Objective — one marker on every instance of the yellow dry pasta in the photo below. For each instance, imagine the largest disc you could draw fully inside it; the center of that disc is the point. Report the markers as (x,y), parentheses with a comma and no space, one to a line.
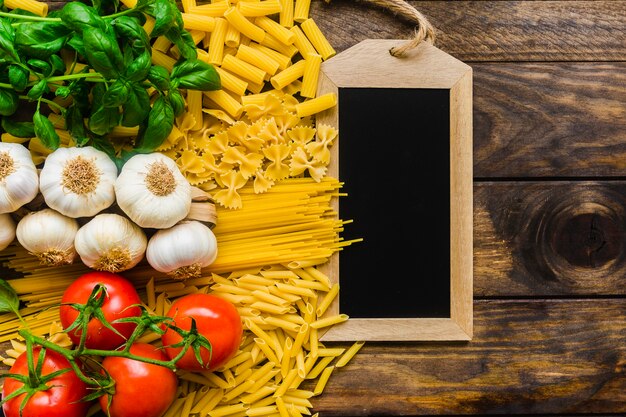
(275,29)
(283,60)
(243,69)
(316,105)
(259,8)
(243,25)
(302,43)
(258,59)
(317,38)
(215,9)
(36,7)
(286,14)
(225,101)
(288,75)
(301,10)
(232,38)
(217,41)
(198,22)
(313,63)
(231,82)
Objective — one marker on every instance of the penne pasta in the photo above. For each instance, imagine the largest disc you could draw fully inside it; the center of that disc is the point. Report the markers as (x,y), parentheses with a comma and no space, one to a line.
(313,63)
(270,26)
(321,382)
(317,38)
(301,10)
(217,40)
(243,25)
(259,8)
(316,105)
(329,321)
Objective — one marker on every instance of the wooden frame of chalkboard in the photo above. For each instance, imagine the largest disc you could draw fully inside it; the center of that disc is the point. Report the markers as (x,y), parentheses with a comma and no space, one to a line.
(436,88)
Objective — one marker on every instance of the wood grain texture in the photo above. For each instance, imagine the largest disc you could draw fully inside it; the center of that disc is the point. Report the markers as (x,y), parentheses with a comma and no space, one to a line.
(545,239)
(527,357)
(490,30)
(549,119)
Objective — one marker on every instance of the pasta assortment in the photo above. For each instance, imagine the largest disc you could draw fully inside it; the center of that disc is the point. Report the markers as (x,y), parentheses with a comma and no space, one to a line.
(255,147)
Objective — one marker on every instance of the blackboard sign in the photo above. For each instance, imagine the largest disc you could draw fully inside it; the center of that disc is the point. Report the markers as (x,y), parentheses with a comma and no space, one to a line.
(396,170)
(404,154)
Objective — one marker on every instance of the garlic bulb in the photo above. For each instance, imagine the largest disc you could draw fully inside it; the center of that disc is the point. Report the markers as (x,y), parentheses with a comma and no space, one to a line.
(152,191)
(19,180)
(182,250)
(78,182)
(110,242)
(7,231)
(49,236)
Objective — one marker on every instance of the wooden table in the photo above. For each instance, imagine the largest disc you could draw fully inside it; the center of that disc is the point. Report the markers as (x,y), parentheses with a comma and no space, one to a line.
(549,216)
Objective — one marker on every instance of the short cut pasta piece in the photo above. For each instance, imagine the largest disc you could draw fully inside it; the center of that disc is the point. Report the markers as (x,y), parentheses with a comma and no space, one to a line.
(198,22)
(36,7)
(301,12)
(302,43)
(274,28)
(316,105)
(349,354)
(243,69)
(258,59)
(317,38)
(217,41)
(286,14)
(288,75)
(259,8)
(215,9)
(243,25)
(311,75)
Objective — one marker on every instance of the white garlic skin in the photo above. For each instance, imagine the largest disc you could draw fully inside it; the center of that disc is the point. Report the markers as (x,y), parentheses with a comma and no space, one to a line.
(187,245)
(19,180)
(74,203)
(110,242)
(49,235)
(7,231)
(142,203)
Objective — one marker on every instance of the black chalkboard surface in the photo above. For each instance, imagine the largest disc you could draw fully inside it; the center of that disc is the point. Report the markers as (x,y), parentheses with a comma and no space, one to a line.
(394,158)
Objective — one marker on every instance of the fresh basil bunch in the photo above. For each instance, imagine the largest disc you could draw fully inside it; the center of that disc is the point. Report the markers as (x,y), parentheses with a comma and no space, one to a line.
(112,88)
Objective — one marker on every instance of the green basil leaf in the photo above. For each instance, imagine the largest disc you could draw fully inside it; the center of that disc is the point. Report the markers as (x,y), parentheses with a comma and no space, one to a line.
(41,39)
(183,41)
(163,11)
(160,77)
(18,77)
(103,52)
(79,16)
(160,124)
(57,64)
(38,90)
(8,102)
(80,90)
(178,102)
(44,130)
(130,29)
(76,43)
(18,129)
(7,39)
(9,301)
(137,107)
(38,64)
(75,124)
(117,94)
(195,75)
(103,120)
(139,69)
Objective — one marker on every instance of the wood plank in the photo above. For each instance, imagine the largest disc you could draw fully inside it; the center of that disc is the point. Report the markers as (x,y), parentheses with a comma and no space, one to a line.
(549,119)
(491,30)
(527,357)
(545,239)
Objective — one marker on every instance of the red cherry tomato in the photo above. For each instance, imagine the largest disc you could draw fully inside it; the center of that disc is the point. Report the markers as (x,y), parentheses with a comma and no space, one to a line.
(216,319)
(62,399)
(141,389)
(121,301)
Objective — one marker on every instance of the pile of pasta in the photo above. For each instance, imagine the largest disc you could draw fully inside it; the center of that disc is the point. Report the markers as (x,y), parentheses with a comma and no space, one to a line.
(255,147)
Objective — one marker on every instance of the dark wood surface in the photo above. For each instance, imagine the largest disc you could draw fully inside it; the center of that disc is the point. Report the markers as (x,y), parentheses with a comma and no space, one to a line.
(549,216)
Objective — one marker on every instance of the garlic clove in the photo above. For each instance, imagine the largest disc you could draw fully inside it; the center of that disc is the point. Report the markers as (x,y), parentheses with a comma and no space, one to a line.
(19,180)
(152,191)
(110,242)
(49,235)
(7,231)
(182,250)
(78,182)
